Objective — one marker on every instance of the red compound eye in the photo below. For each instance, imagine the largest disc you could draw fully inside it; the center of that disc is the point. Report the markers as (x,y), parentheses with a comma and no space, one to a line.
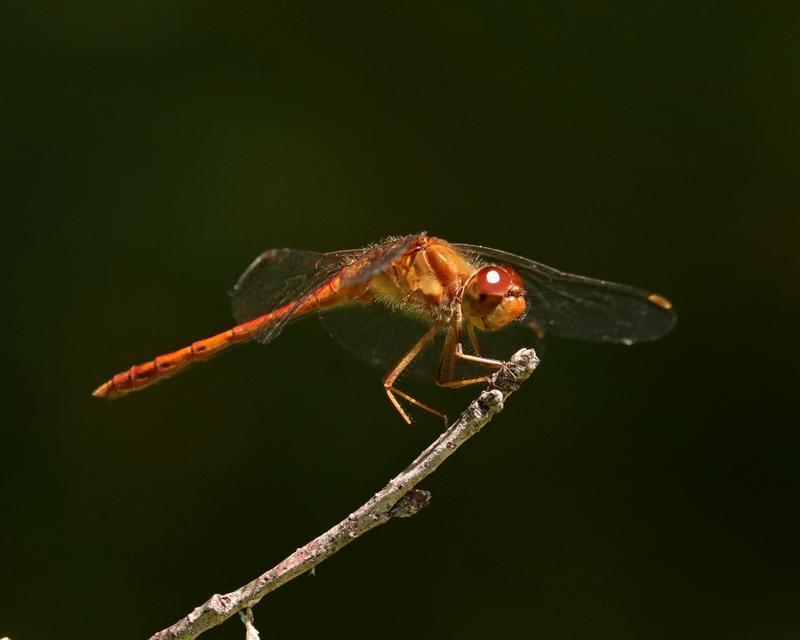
(493,281)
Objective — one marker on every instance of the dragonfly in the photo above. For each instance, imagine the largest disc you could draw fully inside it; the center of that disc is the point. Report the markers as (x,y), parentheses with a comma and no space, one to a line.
(418,299)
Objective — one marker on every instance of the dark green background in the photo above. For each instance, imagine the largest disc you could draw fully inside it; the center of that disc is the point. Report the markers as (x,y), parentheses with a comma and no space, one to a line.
(150,150)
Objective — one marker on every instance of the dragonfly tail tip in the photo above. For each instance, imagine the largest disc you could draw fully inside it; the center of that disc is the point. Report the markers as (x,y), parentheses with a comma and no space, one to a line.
(103,391)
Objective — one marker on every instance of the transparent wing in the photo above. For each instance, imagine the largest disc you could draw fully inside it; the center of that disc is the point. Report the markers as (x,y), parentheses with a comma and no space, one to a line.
(574,306)
(280,279)
(273,278)
(285,279)
(381,336)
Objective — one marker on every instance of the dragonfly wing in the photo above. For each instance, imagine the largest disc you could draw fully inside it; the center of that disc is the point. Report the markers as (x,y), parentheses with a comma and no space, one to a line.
(381,336)
(288,278)
(271,280)
(575,306)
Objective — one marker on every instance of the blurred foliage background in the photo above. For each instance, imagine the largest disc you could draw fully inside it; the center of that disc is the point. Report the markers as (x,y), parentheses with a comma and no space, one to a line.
(150,150)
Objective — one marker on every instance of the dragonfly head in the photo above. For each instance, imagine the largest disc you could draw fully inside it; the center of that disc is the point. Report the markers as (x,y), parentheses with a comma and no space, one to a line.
(493,297)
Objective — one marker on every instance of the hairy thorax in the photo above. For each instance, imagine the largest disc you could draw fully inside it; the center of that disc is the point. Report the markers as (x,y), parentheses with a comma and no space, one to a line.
(425,281)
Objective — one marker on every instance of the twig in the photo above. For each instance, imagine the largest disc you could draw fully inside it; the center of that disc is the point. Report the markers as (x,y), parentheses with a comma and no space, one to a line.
(396,499)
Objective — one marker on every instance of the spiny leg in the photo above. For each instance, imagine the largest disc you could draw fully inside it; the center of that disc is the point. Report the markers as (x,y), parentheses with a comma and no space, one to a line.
(395,391)
(488,362)
(458,352)
(473,339)
(392,392)
(457,384)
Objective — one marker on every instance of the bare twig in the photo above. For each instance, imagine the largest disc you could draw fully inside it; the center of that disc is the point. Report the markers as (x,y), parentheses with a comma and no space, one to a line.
(396,499)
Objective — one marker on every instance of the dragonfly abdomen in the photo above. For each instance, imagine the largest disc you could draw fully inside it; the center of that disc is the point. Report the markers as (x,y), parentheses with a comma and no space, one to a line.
(164,366)
(143,375)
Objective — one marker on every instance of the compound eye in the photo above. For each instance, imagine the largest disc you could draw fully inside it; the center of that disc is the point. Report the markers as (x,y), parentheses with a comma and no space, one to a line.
(493,281)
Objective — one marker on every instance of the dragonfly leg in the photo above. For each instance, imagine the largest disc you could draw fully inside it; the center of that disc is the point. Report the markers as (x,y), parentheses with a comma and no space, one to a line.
(473,339)
(457,384)
(393,392)
(459,354)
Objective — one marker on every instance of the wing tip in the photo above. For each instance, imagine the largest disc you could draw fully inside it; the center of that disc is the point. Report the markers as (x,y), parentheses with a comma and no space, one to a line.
(660,301)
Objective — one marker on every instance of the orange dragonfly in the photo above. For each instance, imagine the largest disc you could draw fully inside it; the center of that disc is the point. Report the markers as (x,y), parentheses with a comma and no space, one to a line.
(444,292)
